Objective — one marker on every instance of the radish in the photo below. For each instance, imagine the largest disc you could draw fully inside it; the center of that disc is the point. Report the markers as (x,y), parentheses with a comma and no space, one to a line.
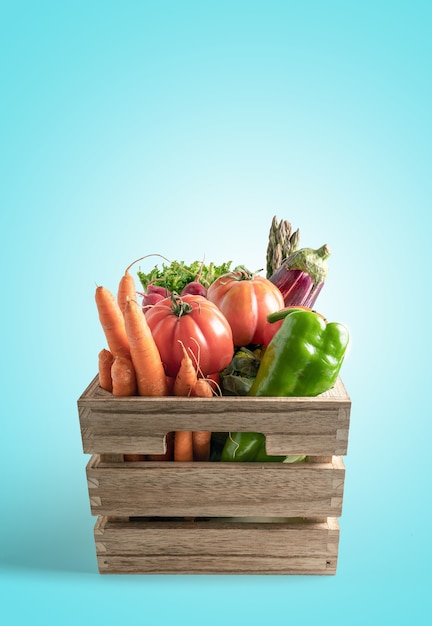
(153,294)
(163,291)
(195,288)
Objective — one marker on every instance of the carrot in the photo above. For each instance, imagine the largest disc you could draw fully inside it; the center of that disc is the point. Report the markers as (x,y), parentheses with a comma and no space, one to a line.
(123,377)
(126,289)
(111,319)
(186,376)
(201,439)
(149,369)
(183,386)
(201,442)
(202,389)
(105,361)
(183,446)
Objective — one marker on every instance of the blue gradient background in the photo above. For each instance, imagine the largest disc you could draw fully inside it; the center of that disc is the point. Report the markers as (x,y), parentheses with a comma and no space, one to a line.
(181,128)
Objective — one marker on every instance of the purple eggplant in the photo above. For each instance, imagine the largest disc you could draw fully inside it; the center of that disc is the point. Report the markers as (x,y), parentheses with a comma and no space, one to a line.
(301,276)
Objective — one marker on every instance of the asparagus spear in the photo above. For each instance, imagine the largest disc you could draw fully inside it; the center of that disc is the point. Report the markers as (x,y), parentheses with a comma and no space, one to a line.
(282,243)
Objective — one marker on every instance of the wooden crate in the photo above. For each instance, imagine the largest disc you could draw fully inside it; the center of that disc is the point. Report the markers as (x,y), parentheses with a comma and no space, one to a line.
(212,517)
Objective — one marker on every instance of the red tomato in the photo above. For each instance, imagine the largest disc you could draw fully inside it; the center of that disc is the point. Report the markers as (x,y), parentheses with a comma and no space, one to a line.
(196,322)
(245,300)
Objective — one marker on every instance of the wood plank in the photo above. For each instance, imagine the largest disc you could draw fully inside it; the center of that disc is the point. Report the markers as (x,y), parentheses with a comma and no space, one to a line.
(217,546)
(139,425)
(259,565)
(216,489)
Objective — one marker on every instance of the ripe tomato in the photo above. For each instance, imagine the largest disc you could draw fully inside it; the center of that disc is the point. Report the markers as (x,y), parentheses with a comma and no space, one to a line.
(199,324)
(245,299)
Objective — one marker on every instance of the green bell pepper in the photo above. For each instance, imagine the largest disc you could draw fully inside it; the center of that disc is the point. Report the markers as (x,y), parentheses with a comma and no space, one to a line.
(251,447)
(303,358)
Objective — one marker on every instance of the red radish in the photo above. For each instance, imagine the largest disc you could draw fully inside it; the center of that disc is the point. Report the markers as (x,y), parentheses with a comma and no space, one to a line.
(195,288)
(149,299)
(163,291)
(153,294)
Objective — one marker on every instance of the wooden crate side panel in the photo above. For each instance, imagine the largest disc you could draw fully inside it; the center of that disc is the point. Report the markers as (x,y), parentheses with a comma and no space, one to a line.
(217,547)
(139,425)
(261,565)
(216,489)
(278,539)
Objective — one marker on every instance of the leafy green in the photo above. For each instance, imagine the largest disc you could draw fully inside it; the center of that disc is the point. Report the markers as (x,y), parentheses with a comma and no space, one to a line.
(236,379)
(176,275)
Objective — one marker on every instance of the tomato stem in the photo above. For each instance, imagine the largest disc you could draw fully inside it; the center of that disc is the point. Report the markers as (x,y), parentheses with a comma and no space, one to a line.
(242,273)
(179,307)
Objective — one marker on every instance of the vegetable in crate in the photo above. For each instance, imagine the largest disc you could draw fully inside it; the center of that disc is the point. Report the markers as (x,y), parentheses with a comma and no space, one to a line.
(282,242)
(177,276)
(303,358)
(301,276)
(199,325)
(249,447)
(236,379)
(245,299)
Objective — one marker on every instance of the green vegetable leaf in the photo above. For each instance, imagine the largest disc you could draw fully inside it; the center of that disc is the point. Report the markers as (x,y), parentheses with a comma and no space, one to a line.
(176,275)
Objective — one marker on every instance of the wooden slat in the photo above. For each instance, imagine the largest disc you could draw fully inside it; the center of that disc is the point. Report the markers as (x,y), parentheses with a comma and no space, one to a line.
(227,489)
(322,565)
(317,425)
(215,546)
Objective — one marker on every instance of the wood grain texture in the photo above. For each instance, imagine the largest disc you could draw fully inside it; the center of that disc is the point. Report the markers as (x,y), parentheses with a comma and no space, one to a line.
(216,489)
(216,546)
(215,497)
(317,426)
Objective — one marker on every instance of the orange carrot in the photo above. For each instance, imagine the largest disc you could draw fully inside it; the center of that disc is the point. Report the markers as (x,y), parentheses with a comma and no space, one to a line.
(201,443)
(123,377)
(201,439)
(111,319)
(183,447)
(105,361)
(183,386)
(126,289)
(202,389)
(149,369)
(186,376)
